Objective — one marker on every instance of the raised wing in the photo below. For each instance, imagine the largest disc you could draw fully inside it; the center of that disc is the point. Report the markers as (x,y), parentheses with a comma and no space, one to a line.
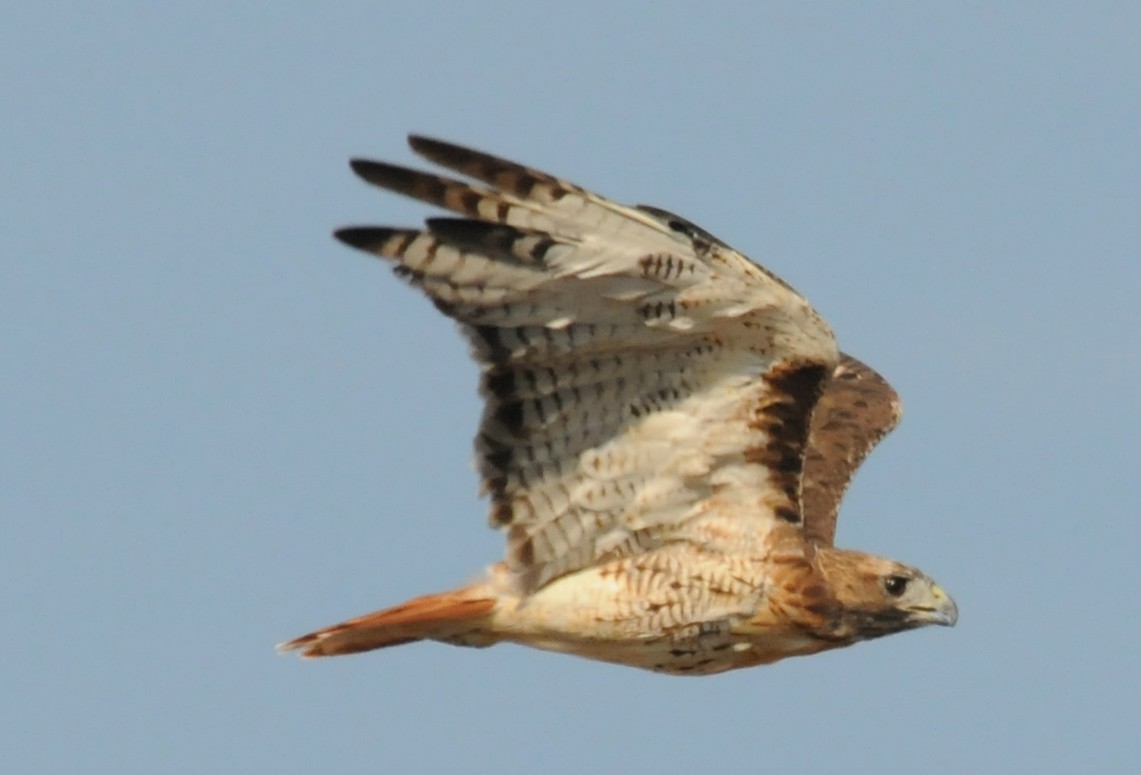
(639,375)
(856,410)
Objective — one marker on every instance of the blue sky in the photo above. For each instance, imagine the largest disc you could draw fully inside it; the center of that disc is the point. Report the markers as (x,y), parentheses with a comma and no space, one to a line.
(222,429)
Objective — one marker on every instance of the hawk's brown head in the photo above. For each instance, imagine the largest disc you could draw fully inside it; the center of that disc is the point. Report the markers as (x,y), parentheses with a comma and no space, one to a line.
(879,597)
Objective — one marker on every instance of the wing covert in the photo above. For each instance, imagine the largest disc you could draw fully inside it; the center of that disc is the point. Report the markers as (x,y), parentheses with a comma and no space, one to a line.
(856,410)
(639,375)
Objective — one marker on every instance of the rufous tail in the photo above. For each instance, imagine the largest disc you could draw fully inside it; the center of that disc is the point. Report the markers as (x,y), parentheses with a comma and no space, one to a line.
(458,616)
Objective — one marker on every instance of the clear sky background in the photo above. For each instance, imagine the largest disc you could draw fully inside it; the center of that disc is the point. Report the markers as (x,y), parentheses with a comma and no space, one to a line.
(221,429)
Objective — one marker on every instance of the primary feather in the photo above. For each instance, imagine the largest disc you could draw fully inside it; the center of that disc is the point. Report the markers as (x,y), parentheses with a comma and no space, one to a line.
(648,440)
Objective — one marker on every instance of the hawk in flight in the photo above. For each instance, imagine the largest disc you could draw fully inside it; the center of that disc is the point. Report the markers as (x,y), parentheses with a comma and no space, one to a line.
(668,431)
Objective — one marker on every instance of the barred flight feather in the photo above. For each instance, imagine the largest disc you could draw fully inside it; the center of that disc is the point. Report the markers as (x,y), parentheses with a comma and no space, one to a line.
(623,351)
(667,433)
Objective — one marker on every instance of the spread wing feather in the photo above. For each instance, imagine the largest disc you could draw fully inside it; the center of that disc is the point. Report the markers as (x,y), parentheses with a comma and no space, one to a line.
(856,410)
(641,378)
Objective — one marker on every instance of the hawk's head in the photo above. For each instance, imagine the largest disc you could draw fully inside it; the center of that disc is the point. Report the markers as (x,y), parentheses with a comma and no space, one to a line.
(879,597)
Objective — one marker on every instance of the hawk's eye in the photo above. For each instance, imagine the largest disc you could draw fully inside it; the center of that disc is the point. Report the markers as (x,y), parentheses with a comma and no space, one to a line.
(895,585)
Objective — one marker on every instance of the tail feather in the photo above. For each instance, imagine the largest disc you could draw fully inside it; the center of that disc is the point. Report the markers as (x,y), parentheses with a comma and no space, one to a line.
(458,616)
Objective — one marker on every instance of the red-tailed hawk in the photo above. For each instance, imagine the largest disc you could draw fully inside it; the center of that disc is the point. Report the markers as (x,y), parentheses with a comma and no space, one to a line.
(668,431)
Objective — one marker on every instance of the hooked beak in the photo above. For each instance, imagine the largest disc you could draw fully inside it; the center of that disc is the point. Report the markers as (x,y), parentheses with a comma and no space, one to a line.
(940,610)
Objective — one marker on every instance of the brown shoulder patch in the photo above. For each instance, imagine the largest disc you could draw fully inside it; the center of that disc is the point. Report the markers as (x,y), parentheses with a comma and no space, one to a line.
(783,416)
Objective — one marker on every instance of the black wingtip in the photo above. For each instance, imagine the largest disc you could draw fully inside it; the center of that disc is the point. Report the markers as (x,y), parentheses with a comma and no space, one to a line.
(445,154)
(360,166)
(466,230)
(367,238)
(430,146)
(383,174)
(470,234)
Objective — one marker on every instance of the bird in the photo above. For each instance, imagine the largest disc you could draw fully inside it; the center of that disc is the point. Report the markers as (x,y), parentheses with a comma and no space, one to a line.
(668,430)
